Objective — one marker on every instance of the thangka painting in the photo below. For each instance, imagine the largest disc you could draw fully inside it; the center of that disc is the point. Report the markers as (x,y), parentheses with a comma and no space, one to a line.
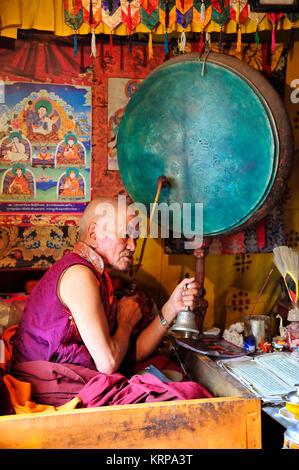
(45,151)
(120,90)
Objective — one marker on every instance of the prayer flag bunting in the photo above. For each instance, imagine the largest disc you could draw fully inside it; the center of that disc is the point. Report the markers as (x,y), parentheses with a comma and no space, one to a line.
(239,13)
(92,10)
(130,16)
(167,17)
(184,16)
(202,14)
(73,17)
(149,17)
(220,15)
(274,17)
(111,16)
(257,18)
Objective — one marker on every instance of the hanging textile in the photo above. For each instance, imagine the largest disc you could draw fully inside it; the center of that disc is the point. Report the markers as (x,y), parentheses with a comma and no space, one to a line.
(130,16)
(92,11)
(257,18)
(274,17)
(167,17)
(149,16)
(184,16)
(202,14)
(48,15)
(220,15)
(111,16)
(73,17)
(239,13)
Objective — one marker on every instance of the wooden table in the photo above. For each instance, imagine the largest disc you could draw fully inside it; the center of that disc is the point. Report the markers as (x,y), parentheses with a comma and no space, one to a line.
(220,383)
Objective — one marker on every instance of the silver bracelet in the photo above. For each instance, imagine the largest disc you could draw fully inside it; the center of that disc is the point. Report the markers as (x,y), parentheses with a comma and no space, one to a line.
(163,321)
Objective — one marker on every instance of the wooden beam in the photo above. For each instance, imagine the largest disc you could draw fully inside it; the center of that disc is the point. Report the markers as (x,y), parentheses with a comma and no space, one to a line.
(217,423)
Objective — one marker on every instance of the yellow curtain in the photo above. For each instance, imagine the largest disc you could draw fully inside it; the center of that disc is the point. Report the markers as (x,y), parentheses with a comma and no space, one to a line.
(48,15)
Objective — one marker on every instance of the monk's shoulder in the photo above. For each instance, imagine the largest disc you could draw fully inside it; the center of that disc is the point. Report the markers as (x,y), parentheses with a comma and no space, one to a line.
(78,273)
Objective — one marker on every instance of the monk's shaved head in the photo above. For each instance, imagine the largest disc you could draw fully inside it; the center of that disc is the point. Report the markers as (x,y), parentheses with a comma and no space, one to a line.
(107,226)
(93,213)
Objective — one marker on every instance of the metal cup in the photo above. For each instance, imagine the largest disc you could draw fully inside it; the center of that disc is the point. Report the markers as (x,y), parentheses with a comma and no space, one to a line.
(259,327)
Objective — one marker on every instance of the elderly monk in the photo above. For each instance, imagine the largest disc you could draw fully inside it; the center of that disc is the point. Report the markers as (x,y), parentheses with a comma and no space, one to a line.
(71,342)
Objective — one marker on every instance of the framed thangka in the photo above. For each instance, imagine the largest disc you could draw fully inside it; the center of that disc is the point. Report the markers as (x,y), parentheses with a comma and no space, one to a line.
(45,151)
(120,90)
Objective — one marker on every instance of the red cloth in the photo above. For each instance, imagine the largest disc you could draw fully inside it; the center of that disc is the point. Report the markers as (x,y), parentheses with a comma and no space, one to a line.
(56,384)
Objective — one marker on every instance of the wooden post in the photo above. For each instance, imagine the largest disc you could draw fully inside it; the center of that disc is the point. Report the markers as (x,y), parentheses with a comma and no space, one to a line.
(202,303)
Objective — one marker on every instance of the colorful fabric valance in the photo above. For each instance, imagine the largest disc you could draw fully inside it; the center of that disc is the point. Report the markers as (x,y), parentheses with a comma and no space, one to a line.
(112,16)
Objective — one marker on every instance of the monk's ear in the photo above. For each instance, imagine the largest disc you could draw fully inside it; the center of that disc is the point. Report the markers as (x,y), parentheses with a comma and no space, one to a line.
(92,236)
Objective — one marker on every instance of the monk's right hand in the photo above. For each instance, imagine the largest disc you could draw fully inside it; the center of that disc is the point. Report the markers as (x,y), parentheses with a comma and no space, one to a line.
(128,311)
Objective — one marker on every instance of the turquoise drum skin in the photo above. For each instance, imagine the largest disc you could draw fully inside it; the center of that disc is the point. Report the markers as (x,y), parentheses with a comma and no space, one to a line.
(220,138)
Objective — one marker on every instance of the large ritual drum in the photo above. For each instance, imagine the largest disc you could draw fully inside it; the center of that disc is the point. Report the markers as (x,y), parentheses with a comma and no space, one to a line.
(222,138)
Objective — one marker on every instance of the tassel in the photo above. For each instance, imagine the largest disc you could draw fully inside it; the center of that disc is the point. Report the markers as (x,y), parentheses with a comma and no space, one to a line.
(202,12)
(166,48)
(182,42)
(110,6)
(90,13)
(220,40)
(239,39)
(111,46)
(208,39)
(273,39)
(257,38)
(93,44)
(145,4)
(75,44)
(150,46)
(201,43)
(182,4)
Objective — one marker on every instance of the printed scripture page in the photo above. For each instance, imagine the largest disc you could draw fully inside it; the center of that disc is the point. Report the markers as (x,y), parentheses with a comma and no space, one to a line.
(281,365)
(261,379)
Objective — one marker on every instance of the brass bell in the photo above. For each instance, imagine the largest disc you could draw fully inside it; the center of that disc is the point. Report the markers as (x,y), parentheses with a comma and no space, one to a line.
(185,324)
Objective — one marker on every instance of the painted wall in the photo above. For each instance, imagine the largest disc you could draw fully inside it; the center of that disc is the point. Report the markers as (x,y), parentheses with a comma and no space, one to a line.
(232,281)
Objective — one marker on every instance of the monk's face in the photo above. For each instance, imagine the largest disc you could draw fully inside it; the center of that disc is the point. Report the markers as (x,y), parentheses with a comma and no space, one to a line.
(117,242)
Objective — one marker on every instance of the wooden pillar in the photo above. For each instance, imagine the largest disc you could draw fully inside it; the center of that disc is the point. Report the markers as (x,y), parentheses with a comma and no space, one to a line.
(202,304)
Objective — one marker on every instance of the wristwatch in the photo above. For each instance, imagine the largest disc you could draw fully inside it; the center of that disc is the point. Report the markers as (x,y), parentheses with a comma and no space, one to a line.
(163,321)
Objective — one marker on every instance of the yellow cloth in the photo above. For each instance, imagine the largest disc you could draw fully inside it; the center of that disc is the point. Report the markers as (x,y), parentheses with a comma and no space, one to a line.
(48,15)
(20,394)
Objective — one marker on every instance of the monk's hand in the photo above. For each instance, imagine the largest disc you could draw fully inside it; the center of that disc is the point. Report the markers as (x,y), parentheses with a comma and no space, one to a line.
(184,295)
(128,312)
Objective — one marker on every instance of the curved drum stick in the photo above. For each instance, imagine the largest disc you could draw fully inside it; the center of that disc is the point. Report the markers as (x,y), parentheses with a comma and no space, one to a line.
(162,182)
